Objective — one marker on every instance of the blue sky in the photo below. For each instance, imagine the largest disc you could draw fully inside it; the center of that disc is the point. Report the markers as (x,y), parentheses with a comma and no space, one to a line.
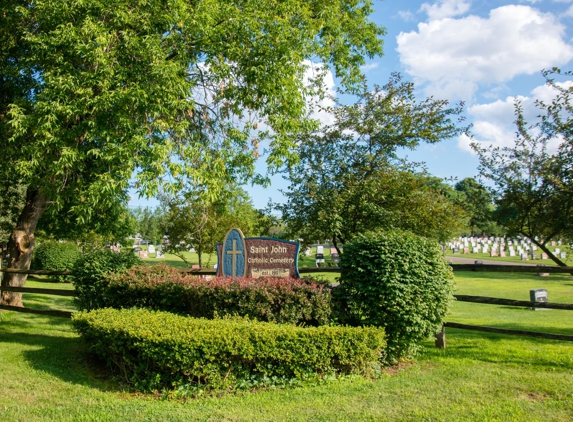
(486,53)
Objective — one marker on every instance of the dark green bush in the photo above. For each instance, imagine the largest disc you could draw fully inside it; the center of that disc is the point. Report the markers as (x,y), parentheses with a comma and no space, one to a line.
(155,350)
(398,281)
(55,256)
(91,274)
(165,288)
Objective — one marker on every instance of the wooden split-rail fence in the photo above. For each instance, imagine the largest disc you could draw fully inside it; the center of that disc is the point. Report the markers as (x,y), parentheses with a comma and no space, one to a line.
(440,337)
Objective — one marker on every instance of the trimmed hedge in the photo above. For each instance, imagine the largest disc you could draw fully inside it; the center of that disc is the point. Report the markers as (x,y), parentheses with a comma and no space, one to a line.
(91,274)
(161,287)
(55,256)
(398,281)
(156,350)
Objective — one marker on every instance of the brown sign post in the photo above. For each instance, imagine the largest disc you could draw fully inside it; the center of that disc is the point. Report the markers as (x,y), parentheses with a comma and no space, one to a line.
(260,256)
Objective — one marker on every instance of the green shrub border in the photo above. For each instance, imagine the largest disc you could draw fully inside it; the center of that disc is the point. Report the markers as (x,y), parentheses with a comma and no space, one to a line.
(156,350)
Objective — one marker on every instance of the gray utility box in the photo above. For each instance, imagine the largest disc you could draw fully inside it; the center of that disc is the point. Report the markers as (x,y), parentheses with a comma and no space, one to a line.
(538,295)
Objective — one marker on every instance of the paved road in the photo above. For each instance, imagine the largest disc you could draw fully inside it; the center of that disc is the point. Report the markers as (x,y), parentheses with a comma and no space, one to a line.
(460,260)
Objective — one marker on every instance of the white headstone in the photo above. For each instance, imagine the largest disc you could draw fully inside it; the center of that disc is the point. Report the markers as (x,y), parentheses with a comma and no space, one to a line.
(511,252)
(151,249)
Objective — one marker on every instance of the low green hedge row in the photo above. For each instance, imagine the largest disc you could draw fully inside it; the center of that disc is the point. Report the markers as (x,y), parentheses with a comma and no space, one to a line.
(155,350)
(161,287)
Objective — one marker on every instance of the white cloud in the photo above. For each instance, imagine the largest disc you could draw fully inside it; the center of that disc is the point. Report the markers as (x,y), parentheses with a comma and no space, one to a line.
(569,12)
(446,8)
(406,15)
(368,67)
(453,57)
(494,123)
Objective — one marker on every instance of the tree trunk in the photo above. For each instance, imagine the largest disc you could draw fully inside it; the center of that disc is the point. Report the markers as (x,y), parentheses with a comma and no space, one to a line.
(550,254)
(335,244)
(21,245)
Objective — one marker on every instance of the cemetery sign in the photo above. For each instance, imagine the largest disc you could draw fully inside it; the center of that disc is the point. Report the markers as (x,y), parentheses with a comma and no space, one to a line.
(240,256)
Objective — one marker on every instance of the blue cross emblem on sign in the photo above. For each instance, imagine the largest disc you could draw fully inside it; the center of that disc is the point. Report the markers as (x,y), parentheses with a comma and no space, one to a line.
(234,254)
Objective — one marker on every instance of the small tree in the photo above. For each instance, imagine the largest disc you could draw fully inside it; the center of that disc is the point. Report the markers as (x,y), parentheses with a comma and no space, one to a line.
(533,187)
(349,180)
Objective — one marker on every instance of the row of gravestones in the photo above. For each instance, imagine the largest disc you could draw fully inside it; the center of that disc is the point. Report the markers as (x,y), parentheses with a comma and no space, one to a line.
(524,248)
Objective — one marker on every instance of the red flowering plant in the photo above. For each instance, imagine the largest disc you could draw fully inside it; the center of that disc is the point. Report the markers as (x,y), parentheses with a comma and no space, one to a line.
(160,287)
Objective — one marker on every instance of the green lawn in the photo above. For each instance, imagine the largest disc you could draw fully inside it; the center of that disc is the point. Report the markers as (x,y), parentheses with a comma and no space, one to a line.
(47,374)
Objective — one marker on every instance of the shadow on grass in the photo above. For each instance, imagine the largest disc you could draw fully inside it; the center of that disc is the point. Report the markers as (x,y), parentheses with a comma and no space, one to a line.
(66,358)
(545,354)
(57,351)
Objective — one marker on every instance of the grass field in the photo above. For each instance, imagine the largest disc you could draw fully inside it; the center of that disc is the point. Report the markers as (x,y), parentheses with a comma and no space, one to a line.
(47,374)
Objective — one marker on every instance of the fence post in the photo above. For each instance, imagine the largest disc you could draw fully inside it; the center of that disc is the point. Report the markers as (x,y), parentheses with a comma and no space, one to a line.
(1,278)
(441,338)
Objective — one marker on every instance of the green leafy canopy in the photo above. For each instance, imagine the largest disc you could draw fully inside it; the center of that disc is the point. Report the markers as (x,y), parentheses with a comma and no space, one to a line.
(92,91)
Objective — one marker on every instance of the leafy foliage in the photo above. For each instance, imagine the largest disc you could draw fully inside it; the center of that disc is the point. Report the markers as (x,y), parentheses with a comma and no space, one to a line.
(151,223)
(193,221)
(478,203)
(113,223)
(398,281)
(55,256)
(102,96)
(165,288)
(156,350)
(93,92)
(92,271)
(349,179)
(532,186)
(11,204)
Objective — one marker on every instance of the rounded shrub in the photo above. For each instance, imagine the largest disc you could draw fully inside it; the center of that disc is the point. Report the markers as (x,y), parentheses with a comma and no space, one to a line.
(91,274)
(55,256)
(398,281)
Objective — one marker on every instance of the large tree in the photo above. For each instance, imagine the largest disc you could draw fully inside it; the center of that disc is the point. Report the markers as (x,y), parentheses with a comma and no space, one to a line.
(532,185)
(96,94)
(349,179)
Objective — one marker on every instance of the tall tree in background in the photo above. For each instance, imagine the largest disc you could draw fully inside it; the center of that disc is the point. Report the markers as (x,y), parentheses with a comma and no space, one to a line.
(151,223)
(95,94)
(478,203)
(349,179)
(532,186)
(194,222)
